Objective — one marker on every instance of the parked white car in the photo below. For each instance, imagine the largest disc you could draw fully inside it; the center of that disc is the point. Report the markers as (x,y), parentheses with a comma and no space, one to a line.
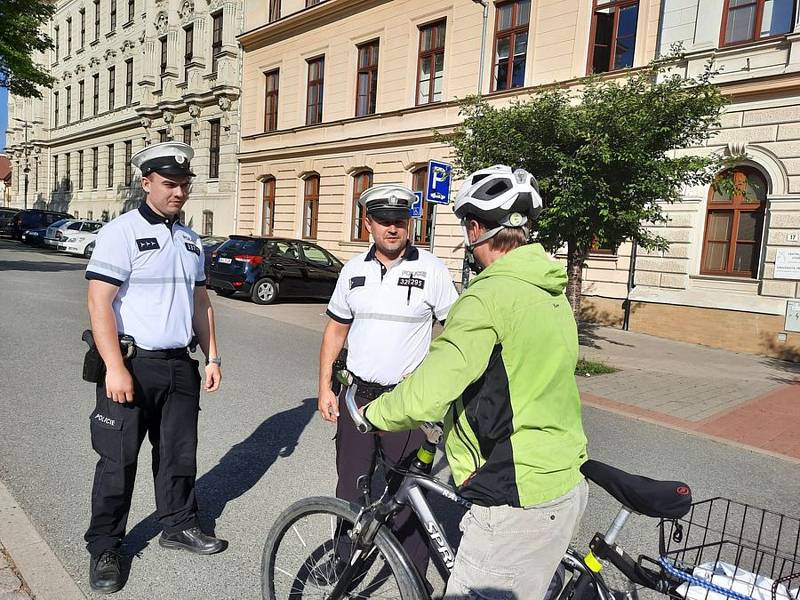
(61,230)
(78,242)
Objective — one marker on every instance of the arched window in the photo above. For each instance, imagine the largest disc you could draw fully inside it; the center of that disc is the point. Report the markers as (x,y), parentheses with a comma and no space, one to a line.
(423,229)
(310,206)
(361,181)
(208,222)
(268,206)
(734,221)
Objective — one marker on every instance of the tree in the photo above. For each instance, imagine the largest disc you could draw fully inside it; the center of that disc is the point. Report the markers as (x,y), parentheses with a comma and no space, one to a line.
(20,36)
(607,154)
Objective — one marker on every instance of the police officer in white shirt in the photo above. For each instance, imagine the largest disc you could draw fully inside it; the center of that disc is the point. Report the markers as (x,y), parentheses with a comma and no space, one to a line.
(383,306)
(146,281)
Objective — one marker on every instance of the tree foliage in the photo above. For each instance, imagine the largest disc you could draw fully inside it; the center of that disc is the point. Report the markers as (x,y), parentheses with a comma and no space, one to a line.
(21,35)
(607,154)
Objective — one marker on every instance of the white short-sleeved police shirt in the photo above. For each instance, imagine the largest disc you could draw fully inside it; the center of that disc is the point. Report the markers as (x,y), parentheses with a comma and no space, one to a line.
(390,311)
(156,264)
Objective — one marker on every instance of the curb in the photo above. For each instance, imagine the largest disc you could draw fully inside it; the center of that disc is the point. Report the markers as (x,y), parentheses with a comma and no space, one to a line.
(40,569)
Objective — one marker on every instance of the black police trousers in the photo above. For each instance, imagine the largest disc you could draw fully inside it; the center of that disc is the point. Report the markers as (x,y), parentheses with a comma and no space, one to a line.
(165,406)
(356,454)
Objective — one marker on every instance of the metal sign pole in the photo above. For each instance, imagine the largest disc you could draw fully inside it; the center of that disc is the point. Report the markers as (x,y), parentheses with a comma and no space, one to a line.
(433,227)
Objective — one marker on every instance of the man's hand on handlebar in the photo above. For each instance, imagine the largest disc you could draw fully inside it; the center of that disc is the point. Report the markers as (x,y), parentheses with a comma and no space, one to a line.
(328,405)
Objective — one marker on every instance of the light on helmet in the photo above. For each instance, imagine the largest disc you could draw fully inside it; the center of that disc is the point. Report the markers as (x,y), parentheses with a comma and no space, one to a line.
(521,175)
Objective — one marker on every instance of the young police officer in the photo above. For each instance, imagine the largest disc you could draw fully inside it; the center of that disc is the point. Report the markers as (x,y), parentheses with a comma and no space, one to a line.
(384,305)
(146,280)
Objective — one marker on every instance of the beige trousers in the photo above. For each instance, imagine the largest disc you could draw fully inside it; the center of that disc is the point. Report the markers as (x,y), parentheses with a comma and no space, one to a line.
(512,553)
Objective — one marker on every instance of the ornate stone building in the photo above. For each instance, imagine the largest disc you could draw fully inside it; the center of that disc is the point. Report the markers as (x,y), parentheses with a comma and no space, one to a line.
(130,73)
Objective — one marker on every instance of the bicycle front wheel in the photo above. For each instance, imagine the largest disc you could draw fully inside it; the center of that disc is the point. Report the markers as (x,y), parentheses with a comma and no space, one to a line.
(309,546)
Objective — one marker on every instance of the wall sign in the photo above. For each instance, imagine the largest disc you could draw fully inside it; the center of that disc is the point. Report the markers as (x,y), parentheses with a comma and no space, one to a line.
(787,263)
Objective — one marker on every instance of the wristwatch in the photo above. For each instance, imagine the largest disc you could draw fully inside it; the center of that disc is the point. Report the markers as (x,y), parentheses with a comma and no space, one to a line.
(217,360)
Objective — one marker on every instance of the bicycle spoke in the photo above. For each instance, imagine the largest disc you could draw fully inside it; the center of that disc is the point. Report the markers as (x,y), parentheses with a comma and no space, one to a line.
(294,527)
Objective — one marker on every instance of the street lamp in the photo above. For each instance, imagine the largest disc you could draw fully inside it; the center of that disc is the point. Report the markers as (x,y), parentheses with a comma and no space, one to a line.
(26,169)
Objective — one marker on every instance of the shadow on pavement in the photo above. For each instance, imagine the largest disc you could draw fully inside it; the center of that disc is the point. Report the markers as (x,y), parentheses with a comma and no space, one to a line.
(43,266)
(237,472)
(589,334)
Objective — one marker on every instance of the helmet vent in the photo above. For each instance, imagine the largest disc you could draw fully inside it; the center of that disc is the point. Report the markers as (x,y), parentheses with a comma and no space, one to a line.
(495,188)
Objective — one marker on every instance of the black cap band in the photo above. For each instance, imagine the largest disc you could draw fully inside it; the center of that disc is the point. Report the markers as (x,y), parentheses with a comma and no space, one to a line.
(167,165)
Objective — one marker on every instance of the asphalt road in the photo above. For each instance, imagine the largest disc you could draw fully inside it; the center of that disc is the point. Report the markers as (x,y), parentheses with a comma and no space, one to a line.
(261,445)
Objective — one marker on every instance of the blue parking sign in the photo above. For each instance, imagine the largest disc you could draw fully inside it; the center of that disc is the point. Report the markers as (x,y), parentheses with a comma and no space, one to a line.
(438,188)
(415,211)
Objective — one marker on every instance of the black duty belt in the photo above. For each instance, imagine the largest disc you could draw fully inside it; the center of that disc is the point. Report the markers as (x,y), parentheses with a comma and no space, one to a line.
(170,353)
(369,390)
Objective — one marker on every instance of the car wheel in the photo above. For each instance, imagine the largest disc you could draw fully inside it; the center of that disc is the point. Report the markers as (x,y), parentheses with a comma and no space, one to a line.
(265,291)
(87,252)
(225,293)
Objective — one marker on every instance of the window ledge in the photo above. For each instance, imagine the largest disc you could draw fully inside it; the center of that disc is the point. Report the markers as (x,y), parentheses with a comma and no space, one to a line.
(94,42)
(111,33)
(723,278)
(127,24)
(79,51)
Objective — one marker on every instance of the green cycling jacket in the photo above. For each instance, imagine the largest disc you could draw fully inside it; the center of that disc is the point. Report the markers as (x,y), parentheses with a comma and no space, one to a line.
(502,377)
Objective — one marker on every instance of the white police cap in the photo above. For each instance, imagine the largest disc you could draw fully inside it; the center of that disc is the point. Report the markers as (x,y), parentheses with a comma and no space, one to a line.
(387,200)
(166,158)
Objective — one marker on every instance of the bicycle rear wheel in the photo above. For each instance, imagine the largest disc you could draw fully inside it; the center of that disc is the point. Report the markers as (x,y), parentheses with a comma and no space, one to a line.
(308,544)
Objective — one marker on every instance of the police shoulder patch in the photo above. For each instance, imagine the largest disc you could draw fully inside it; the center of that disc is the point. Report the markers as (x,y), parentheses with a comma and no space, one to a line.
(357,282)
(193,248)
(147,244)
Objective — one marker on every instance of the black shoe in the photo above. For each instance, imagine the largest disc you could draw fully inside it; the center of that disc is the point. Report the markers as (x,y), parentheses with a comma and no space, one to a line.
(328,572)
(105,574)
(192,540)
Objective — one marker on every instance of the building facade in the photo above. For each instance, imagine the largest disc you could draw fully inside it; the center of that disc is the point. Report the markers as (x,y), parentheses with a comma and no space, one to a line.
(130,73)
(342,93)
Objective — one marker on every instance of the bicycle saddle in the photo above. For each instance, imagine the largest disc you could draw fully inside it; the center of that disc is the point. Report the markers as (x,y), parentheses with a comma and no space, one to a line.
(658,499)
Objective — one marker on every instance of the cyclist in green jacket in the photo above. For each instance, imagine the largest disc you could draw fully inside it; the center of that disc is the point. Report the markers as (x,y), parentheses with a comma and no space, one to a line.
(501,376)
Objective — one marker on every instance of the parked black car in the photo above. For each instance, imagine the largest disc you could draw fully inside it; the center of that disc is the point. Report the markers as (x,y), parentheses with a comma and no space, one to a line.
(268,268)
(32,218)
(6,216)
(210,243)
(34,237)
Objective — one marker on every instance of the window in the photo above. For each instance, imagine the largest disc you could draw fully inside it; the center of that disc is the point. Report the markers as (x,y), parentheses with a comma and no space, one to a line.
(310,206)
(430,66)
(55,171)
(423,229)
(83,27)
(367,79)
(90,214)
(213,151)
(613,35)
(55,108)
(128,82)
(96,20)
(208,222)
(112,82)
(315,255)
(68,173)
(735,218)
(95,167)
(316,81)
(188,50)
(312,2)
(104,216)
(81,98)
(128,154)
(131,10)
(268,206)
(56,39)
(271,101)
(69,36)
(113,22)
(68,97)
(162,135)
(187,134)
(110,167)
(750,20)
(96,94)
(511,44)
(361,181)
(274,10)
(163,68)
(216,39)
(76,214)
(80,170)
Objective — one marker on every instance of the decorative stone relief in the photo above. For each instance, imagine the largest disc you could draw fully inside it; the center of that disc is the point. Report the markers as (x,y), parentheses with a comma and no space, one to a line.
(110,54)
(127,48)
(169,117)
(215,4)
(186,11)
(162,22)
(736,149)
(145,122)
(224,103)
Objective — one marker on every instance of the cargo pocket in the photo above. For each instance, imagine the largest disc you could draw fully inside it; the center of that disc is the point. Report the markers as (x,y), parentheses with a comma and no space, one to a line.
(106,435)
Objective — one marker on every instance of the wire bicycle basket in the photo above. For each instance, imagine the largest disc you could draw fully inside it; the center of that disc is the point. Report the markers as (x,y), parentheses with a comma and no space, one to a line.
(725,549)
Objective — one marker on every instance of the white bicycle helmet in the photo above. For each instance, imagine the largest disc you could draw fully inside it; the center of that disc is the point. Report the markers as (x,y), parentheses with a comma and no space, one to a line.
(499,195)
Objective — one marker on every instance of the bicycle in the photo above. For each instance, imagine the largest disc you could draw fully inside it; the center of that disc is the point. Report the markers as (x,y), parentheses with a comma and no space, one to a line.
(358,556)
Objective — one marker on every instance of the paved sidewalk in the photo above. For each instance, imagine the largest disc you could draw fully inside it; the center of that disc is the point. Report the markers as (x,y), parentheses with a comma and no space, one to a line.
(11,586)
(743,399)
